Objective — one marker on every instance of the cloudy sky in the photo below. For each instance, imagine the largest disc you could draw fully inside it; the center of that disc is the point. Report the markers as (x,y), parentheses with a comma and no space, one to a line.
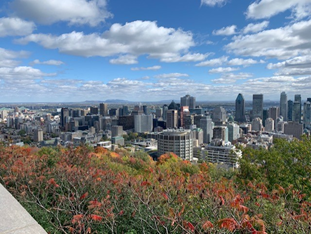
(149,50)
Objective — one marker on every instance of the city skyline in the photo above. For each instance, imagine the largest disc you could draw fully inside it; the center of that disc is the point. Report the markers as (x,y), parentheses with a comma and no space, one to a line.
(77,50)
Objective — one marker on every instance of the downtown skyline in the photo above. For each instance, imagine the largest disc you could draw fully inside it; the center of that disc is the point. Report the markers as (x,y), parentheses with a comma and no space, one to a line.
(77,50)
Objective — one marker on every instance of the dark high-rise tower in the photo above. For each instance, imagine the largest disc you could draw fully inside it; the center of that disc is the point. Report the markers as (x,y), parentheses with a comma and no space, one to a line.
(283,105)
(240,108)
(103,109)
(297,110)
(257,106)
(290,105)
(64,117)
(187,101)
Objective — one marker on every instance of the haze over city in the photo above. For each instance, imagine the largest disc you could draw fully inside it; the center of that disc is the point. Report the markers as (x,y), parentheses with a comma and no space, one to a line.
(77,50)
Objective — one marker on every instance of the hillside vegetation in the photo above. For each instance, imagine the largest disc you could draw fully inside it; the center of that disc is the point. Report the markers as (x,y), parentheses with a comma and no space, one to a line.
(84,190)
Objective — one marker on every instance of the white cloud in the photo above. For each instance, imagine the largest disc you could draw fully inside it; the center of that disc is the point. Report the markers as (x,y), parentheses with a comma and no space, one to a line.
(213,2)
(146,68)
(124,59)
(90,12)
(7,57)
(134,38)
(225,31)
(223,70)
(49,62)
(8,63)
(171,75)
(241,62)
(229,78)
(22,73)
(281,43)
(15,27)
(267,8)
(254,28)
(213,62)
(185,58)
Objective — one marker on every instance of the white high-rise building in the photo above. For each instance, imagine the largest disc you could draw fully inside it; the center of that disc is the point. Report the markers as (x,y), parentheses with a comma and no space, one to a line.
(269,125)
(143,123)
(233,131)
(207,126)
(257,124)
(178,141)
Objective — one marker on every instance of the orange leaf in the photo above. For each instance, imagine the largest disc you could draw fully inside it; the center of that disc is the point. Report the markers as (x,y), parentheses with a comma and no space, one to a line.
(207,225)
(228,223)
(76,218)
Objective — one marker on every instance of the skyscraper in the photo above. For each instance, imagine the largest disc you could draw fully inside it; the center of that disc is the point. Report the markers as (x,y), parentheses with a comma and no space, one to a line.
(172,119)
(283,106)
(290,105)
(219,115)
(207,126)
(103,109)
(64,117)
(240,108)
(274,113)
(298,99)
(297,112)
(257,106)
(188,101)
(307,115)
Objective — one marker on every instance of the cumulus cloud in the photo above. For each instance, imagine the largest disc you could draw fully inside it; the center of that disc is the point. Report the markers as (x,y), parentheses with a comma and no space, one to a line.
(22,73)
(241,62)
(229,78)
(48,62)
(254,28)
(15,27)
(213,62)
(134,38)
(73,11)
(213,2)
(185,58)
(171,75)
(146,68)
(281,43)
(7,57)
(223,69)
(124,59)
(267,8)
(225,31)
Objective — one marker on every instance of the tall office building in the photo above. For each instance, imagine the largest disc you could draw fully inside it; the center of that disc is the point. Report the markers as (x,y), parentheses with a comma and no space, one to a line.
(64,117)
(171,119)
(283,106)
(258,106)
(103,109)
(219,115)
(240,108)
(165,108)
(207,126)
(274,113)
(116,130)
(187,101)
(307,115)
(257,124)
(38,135)
(297,112)
(290,105)
(143,123)
(269,125)
(178,141)
(146,110)
(298,99)
(94,110)
(233,131)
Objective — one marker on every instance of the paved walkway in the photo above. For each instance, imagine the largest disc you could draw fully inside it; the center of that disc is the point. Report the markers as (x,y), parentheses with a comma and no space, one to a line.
(14,219)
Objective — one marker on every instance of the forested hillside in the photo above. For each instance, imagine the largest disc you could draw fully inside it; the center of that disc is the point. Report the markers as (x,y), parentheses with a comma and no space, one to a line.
(84,190)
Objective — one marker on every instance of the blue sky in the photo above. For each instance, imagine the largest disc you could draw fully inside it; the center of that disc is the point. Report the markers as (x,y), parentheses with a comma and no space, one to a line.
(150,50)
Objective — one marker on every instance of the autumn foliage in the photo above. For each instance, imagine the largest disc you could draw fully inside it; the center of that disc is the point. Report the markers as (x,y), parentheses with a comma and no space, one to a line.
(96,191)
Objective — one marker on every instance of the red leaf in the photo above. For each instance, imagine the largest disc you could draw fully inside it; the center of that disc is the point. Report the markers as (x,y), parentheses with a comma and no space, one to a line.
(84,196)
(228,223)
(76,218)
(96,217)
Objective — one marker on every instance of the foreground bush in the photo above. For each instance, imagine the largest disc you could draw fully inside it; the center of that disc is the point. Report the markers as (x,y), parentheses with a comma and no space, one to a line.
(85,191)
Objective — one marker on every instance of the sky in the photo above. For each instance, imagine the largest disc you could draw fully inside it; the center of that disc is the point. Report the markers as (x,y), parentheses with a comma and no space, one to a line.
(152,50)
